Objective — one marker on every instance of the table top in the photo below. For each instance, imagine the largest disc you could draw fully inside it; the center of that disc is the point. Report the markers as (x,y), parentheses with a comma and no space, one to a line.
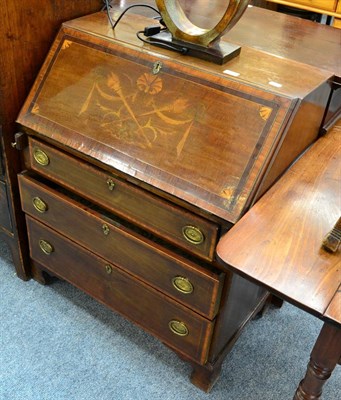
(277,243)
(274,33)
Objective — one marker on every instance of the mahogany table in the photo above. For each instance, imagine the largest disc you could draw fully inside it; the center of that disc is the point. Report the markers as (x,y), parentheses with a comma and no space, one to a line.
(277,244)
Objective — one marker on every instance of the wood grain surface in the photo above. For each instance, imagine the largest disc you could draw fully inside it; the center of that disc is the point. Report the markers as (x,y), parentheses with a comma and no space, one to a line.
(278,242)
(191,130)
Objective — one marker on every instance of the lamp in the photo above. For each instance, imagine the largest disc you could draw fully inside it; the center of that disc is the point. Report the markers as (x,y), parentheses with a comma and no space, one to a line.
(200,42)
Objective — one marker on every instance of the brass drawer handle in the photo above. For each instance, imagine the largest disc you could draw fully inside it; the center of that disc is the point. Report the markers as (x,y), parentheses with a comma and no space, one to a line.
(178,328)
(46,247)
(193,234)
(111,184)
(106,229)
(182,285)
(39,204)
(41,157)
(108,269)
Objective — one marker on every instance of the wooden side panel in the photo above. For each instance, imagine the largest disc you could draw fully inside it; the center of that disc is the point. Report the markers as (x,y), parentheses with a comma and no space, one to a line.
(5,221)
(2,161)
(303,131)
(241,300)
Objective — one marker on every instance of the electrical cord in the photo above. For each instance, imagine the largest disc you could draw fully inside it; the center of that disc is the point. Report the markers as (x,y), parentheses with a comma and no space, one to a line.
(148,31)
(107,7)
(114,24)
(182,50)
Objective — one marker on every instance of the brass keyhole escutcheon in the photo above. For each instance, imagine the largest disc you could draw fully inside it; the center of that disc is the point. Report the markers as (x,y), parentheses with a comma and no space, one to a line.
(178,328)
(111,184)
(182,285)
(41,157)
(108,269)
(183,29)
(46,247)
(39,204)
(157,67)
(106,229)
(193,234)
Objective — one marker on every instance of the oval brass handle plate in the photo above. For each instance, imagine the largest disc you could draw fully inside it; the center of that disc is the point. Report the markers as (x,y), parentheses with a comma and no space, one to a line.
(178,328)
(41,157)
(182,285)
(193,234)
(46,247)
(183,29)
(39,204)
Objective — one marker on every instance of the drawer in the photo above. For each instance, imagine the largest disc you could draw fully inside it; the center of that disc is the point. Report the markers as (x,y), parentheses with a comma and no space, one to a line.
(171,322)
(328,5)
(185,281)
(158,216)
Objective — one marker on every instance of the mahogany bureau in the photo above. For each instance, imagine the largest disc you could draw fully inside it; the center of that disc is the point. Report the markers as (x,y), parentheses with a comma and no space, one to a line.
(139,159)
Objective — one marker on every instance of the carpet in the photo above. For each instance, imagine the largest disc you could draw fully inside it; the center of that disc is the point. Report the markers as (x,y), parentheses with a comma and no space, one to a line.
(56,343)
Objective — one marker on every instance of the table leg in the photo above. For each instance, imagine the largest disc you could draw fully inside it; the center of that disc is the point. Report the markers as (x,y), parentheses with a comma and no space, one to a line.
(324,357)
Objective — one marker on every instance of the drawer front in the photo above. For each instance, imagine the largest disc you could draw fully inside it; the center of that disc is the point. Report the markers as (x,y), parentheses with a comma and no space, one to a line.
(174,324)
(170,222)
(328,5)
(186,282)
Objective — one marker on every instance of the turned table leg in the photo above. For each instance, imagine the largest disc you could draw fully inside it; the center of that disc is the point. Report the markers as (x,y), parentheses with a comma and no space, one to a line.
(324,357)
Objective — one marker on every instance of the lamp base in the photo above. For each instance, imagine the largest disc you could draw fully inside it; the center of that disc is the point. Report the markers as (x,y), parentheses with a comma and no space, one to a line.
(218,53)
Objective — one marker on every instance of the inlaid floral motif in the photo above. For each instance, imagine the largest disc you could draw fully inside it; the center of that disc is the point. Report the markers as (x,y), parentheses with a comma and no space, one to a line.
(66,44)
(265,112)
(136,112)
(35,109)
(149,84)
